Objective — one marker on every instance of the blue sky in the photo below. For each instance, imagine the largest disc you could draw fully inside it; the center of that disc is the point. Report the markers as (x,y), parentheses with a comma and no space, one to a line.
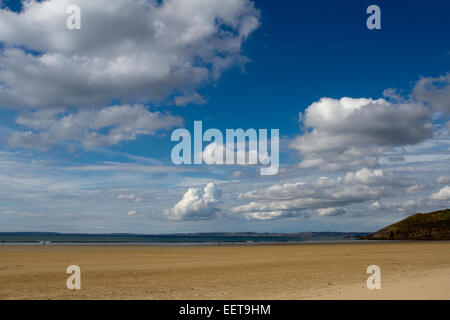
(86,117)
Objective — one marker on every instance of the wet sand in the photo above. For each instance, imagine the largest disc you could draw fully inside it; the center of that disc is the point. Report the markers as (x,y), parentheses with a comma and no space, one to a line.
(409,270)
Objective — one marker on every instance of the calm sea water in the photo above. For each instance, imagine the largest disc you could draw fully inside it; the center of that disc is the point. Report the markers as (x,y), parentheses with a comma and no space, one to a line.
(36,238)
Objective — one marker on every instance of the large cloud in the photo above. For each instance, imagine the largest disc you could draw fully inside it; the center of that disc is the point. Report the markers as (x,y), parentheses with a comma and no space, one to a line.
(350,132)
(90,128)
(136,52)
(197,204)
(326,195)
(355,132)
(132,50)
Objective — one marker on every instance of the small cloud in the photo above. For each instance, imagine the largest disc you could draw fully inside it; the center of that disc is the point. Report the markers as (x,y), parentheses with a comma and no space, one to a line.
(189,98)
(443,194)
(236,174)
(197,204)
(131,213)
(129,197)
(443,180)
(330,212)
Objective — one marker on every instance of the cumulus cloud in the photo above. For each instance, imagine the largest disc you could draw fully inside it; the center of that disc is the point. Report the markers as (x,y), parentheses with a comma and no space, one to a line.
(443,194)
(197,204)
(352,132)
(136,51)
(356,132)
(366,176)
(246,152)
(325,195)
(89,128)
(434,92)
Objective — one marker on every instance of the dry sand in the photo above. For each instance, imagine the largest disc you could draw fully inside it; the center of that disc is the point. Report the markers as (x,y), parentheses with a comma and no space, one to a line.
(409,270)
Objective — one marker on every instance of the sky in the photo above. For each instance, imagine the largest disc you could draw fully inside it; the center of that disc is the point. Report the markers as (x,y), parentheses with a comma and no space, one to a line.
(86,115)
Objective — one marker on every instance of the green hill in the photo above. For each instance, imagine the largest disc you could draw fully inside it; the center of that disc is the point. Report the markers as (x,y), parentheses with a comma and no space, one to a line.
(420,226)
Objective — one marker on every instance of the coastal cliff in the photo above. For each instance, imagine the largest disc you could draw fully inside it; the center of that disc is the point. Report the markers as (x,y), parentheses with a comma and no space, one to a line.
(420,226)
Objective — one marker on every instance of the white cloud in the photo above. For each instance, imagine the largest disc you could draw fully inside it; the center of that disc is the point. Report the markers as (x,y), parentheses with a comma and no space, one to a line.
(237,174)
(54,197)
(136,51)
(111,166)
(131,213)
(330,211)
(129,197)
(357,132)
(366,176)
(434,91)
(351,132)
(89,128)
(189,98)
(325,195)
(197,204)
(245,152)
(443,180)
(269,215)
(443,194)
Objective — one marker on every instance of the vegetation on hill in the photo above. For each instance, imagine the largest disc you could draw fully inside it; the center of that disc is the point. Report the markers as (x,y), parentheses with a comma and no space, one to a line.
(420,226)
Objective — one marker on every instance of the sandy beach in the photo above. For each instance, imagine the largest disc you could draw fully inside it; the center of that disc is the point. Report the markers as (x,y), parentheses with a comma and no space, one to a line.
(409,270)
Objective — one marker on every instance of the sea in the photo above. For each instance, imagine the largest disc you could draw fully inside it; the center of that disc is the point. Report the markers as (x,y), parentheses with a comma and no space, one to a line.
(43,238)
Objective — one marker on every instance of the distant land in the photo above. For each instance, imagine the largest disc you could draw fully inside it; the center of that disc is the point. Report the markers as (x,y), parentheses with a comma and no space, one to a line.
(224,237)
(420,226)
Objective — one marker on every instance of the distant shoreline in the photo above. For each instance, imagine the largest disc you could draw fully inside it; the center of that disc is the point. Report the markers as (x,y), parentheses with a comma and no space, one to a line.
(191,239)
(187,234)
(209,244)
